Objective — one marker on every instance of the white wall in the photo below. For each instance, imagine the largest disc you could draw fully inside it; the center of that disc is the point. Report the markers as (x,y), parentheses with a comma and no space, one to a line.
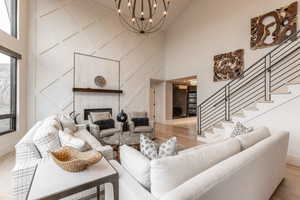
(58,28)
(284,117)
(211,27)
(208,28)
(19,45)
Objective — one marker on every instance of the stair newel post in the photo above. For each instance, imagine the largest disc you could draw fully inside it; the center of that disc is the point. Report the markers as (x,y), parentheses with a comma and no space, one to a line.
(268,77)
(227,103)
(199,120)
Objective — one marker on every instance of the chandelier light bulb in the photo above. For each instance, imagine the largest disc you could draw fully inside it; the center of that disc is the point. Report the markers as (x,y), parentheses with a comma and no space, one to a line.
(142,16)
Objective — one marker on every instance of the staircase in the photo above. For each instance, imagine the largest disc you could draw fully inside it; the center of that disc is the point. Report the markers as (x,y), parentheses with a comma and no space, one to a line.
(268,83)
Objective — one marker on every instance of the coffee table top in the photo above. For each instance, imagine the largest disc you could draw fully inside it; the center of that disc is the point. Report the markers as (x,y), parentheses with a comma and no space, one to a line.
(50,179)
(123,138)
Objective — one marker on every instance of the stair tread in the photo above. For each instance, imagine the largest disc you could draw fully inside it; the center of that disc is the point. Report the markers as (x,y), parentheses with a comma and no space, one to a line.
(280,92)
(265,101)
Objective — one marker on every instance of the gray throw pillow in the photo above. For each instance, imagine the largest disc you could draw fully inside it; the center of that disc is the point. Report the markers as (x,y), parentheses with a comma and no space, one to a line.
(152,150)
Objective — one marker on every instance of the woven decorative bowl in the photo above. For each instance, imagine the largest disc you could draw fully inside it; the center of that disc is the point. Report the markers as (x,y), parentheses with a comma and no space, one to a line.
(72,160)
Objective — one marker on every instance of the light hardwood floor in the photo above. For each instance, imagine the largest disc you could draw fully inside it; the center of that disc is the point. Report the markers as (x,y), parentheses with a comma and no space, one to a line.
(186,136)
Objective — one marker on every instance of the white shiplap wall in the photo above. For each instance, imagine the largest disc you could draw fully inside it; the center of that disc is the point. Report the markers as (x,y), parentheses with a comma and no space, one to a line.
(62,27)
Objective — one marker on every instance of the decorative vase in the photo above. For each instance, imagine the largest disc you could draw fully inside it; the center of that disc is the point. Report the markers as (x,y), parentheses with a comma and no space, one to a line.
(122,117)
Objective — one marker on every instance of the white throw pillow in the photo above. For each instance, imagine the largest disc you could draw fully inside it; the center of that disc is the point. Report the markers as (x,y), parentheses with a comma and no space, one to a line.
(88,138)
(240,129)
(67,138)
(154,151)
(68,123)
(46,138)
(136,164)
(170,172)
(254,137)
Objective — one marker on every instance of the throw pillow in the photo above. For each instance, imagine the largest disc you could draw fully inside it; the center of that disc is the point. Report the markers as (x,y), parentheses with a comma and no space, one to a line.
(140,121)
(240,129)
(154,151)
(148,148)
(68,123)
(105,124)
(254,137)
(67,138)
(46,138)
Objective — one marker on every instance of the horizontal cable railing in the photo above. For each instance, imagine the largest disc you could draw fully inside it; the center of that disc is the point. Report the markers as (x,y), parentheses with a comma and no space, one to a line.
(256,83)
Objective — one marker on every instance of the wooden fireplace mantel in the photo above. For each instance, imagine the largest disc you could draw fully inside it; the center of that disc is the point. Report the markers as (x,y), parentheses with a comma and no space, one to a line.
(91,90)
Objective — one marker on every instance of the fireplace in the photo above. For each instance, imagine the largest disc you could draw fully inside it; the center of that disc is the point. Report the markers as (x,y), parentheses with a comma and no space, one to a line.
(88,111)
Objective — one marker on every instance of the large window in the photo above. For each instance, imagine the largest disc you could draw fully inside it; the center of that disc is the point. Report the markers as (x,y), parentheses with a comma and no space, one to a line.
(8,69)
(8,16)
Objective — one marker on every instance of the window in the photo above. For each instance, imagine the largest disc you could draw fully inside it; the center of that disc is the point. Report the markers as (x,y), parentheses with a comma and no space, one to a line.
(8,16)
(8,92)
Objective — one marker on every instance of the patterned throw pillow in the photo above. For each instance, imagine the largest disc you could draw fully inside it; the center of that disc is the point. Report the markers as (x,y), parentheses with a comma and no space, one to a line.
(148,147)
(46,138)
(154,151)
(240,129)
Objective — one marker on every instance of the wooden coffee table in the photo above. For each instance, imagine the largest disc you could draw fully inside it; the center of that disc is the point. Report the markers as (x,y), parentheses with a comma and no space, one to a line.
(52,182)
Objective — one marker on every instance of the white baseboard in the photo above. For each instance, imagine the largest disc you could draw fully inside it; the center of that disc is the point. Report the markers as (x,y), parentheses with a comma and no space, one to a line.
(293,160)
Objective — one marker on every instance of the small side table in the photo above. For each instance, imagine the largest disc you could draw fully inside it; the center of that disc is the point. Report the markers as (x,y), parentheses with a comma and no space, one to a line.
(52,182)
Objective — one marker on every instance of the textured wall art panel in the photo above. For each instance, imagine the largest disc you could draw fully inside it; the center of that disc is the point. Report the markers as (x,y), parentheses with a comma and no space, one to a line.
(91,27)
(274,27)
(229,66)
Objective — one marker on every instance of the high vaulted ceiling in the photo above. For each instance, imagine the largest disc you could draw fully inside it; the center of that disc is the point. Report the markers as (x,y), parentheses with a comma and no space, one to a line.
(177,6)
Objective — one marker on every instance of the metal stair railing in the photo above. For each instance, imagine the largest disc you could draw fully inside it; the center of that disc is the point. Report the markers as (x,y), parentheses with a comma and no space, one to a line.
(271,72)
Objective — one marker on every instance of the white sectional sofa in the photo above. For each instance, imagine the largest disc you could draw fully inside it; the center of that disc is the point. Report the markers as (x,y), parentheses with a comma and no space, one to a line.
(28,156)
(248,168)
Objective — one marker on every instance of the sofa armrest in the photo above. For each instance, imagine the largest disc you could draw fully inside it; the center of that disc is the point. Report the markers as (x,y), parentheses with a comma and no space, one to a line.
(136,164)
(94,130)
(26,152)
(107,151)
(22,175)
(129,188)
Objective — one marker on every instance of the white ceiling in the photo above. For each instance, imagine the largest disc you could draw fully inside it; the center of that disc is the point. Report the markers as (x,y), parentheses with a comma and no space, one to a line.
(177,6)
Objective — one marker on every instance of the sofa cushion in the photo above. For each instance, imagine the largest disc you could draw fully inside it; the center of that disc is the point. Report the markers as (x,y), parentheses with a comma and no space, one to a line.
(154,151)
(168,173)
(254,137)
(140,121)
(46,138)
(96,116)
(138,115)
(67,138)
(136,164)
(105,124)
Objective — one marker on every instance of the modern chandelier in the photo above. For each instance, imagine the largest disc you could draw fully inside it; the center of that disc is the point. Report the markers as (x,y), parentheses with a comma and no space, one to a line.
(143,16)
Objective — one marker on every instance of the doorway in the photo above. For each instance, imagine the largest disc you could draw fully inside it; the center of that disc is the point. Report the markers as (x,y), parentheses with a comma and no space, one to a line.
(185,97)
(156,100)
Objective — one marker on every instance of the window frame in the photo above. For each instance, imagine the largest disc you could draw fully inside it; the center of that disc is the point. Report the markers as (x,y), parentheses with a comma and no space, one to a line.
(14,19)
(13,90)
(14,23)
